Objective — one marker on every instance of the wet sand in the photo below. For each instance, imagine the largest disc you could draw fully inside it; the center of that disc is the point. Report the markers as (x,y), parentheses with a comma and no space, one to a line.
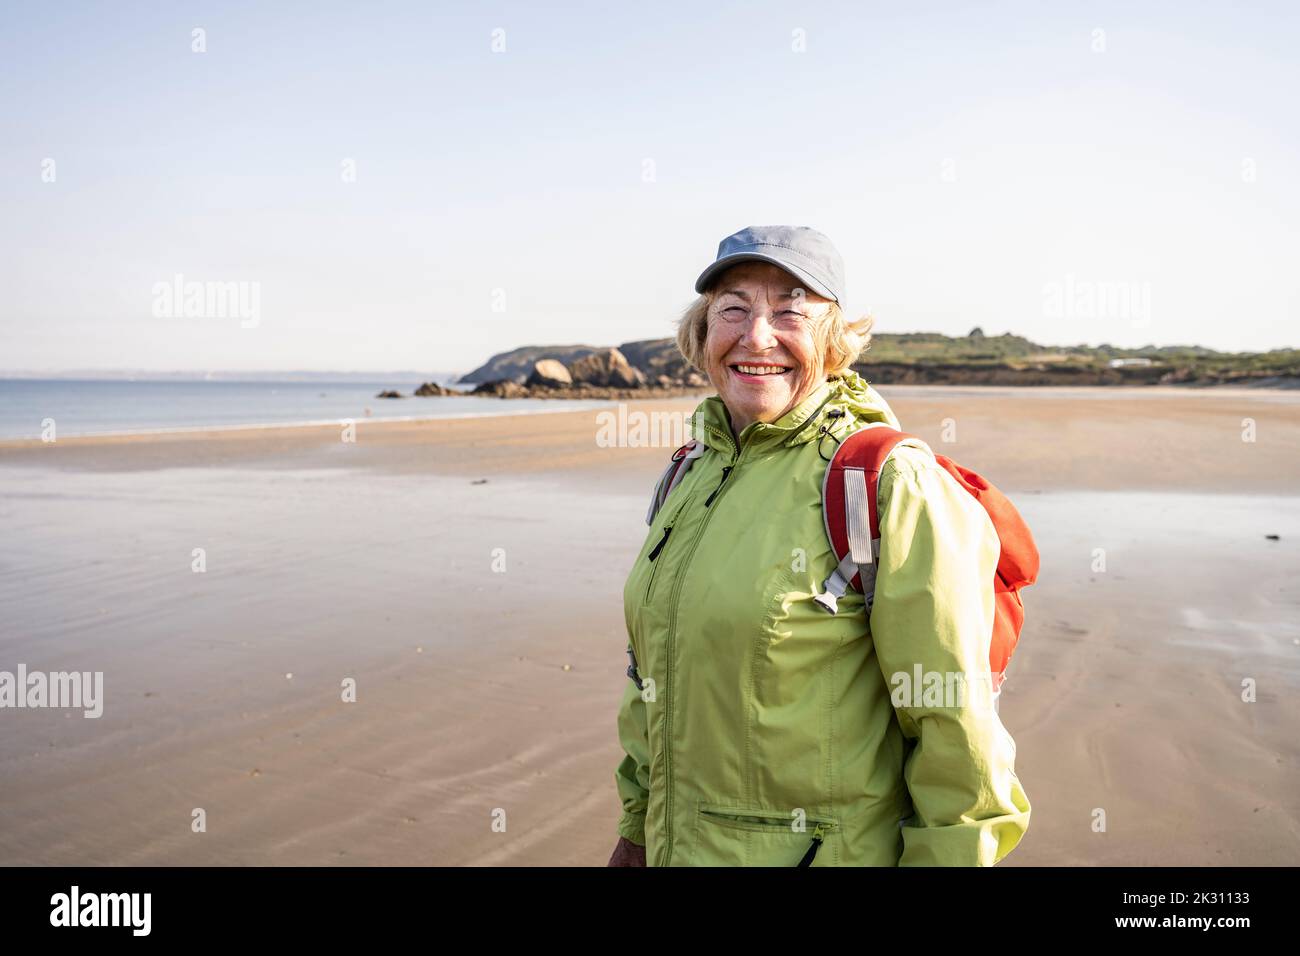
(482,693)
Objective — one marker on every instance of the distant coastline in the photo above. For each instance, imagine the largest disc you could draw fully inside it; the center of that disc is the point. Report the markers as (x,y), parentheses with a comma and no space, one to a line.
(655,366)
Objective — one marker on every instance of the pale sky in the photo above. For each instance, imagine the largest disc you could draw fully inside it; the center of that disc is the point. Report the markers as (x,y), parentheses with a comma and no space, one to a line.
(1006,165)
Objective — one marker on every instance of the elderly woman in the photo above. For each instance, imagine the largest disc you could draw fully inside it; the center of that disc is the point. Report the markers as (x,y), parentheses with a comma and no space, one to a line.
(764,730)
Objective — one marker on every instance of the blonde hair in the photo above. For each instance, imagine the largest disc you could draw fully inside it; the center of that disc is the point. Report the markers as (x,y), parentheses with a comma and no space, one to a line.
(840,340)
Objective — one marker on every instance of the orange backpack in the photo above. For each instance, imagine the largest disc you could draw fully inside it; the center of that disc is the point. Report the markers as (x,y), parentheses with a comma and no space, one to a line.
(853,528)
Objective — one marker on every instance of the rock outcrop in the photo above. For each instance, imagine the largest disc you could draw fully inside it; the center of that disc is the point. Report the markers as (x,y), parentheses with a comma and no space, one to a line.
(549,373)
(607,368)
(503,388)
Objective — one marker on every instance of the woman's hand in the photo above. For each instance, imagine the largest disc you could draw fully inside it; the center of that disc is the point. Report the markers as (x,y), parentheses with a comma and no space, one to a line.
(627,853)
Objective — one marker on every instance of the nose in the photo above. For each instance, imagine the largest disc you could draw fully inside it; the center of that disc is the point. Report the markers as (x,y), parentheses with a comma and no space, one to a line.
(758,335)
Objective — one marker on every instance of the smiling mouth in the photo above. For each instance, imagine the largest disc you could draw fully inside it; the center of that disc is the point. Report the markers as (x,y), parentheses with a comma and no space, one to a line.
(752,372)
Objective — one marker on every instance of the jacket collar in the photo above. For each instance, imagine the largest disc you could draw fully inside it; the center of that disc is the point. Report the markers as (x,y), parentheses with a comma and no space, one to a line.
(850,392)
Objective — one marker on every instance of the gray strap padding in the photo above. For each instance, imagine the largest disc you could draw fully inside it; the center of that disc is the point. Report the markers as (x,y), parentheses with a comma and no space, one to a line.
(856,518)
(664,487)
(657,496)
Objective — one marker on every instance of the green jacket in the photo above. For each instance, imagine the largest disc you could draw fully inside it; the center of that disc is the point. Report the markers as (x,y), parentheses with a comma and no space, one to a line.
(765,720)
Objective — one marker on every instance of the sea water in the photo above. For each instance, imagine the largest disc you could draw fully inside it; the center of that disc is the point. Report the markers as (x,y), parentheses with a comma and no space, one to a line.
(94,407)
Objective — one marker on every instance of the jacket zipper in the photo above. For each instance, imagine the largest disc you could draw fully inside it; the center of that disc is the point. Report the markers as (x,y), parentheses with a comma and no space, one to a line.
(662,541)
(659,546)
(654,570)
(819,834)
(737,455)
(725,472)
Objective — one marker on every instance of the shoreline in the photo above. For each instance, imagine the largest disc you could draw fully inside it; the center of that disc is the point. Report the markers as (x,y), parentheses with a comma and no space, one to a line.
(257,426)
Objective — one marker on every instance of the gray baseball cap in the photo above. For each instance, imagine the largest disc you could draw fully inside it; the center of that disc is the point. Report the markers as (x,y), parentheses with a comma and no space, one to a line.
(801,251)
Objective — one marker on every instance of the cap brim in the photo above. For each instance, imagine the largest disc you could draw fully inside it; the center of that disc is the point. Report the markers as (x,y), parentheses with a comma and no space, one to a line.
(726,262)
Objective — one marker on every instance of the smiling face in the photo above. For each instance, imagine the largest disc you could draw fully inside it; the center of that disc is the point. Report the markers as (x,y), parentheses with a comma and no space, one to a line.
(760,347)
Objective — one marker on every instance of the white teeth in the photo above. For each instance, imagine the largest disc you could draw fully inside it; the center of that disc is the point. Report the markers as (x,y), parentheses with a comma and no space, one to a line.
(760,369)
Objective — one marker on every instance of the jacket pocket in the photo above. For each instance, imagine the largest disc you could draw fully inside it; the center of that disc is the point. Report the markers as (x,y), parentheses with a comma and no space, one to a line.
(728,835)
(656,554)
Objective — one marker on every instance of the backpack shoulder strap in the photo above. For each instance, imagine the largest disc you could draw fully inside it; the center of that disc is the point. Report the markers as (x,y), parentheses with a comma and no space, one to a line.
(673,475)
(849,492)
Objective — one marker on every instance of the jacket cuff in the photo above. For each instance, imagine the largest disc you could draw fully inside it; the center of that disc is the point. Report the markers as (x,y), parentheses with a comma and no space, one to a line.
(979,843)
(632,827)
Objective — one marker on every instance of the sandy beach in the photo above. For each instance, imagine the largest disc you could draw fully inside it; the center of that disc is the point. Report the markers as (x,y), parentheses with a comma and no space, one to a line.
(466,574)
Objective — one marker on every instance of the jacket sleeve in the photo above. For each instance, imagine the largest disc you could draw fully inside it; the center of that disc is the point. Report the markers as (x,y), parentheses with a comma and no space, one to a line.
(633,774)
(933,607)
